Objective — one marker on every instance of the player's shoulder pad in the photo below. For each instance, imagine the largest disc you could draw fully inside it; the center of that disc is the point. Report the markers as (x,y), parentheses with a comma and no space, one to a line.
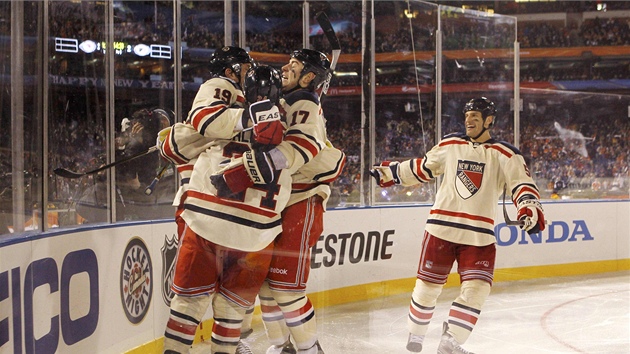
(513,148)
(456,135)
(223,82)
(300,95)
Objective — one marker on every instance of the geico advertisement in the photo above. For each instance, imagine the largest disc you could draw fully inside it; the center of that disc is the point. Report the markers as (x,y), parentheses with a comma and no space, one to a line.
(105,290)
(98,291)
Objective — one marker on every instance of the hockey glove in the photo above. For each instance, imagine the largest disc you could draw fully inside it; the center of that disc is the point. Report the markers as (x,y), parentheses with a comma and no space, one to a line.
(253,167)
(268,128)
(231,180)
(530,211)
(259,167)
(386,173)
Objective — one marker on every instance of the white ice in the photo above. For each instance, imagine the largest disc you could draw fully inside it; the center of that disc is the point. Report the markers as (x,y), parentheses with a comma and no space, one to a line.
(585,314)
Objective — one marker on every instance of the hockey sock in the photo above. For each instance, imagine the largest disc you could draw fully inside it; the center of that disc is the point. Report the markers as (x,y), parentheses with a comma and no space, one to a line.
(246,328)
(226,330)
(299,315)
(273,319)
(466,309)
(185,315)
(423,300)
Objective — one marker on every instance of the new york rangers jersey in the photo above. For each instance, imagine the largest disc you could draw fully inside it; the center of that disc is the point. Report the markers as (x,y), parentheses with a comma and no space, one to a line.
(474,175)
(247,221)
(218,105)
(211,137)
(307,153)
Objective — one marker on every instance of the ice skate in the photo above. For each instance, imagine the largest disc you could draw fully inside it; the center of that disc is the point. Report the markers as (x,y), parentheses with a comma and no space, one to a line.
(414,343)
(315,349)
(246,333)
(243,348)
(448,344)
(286,348)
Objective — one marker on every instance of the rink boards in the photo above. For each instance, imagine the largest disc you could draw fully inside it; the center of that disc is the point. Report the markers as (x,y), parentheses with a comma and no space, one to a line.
(105,289)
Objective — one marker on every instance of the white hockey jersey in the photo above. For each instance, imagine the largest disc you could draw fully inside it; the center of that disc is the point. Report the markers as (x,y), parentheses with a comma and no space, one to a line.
(212,135)
(474,175)
(219,104)
(310,157)
(247,221)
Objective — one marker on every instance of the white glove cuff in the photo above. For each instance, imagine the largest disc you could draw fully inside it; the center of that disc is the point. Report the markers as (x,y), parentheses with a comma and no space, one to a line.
(279,161)
(530,203)
(241,122)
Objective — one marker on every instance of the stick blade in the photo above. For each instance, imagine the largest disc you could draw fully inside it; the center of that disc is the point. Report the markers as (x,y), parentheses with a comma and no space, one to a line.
(62,172)
(329,32)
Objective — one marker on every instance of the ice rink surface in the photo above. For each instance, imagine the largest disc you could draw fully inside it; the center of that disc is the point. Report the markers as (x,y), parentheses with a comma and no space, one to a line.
(585,314)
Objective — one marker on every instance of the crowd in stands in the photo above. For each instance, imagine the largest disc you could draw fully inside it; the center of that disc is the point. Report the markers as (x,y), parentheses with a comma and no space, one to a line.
(552,159)
(203,27)
(592,32)
(559,164)
(534,7)
(75,20)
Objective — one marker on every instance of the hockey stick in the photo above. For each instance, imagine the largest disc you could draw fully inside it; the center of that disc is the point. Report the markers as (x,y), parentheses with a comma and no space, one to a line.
(329,32)
(62,172)
(509,221)
(155,181)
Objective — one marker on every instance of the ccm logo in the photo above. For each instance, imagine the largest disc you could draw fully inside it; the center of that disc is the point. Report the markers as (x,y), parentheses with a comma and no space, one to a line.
(251,166)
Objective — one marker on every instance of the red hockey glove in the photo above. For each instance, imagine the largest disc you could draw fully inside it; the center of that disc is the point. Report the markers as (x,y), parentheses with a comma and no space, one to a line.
(231,180)
(268,128)
(386,173)
(530,211)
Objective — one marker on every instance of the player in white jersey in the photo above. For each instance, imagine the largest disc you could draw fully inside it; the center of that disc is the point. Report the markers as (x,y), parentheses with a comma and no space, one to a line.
(460,226)
(225,241)
(313,163)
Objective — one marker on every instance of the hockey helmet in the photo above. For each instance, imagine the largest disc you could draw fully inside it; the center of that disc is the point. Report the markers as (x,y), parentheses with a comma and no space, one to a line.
(481,104)
(314,61)
(229,57)
(262,81)
(166,117)
(152,119)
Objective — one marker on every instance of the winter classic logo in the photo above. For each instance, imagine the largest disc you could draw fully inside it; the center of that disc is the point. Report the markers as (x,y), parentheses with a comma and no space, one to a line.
(469,177)
(136,275)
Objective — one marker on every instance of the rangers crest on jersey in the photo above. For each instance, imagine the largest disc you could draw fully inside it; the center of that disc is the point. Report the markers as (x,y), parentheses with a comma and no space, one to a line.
(468,178)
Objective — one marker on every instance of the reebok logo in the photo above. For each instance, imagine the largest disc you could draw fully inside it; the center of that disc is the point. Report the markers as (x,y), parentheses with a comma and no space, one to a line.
(278,271)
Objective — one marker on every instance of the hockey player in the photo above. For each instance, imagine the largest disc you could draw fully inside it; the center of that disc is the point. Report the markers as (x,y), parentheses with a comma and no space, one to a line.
(225,242)
(137,135)
(181,144)
(460,226)
(313,163)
